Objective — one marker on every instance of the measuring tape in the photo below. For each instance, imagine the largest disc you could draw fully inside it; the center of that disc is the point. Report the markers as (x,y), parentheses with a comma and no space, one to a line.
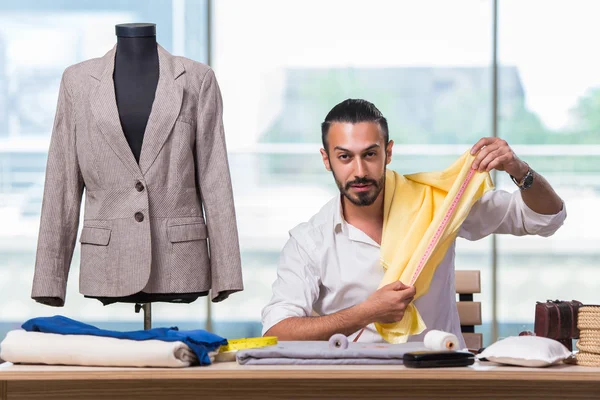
(438,234)
(228,351)
(248,343)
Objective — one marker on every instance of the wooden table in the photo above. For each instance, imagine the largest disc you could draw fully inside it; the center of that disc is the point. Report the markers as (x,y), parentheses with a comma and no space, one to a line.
(232,381)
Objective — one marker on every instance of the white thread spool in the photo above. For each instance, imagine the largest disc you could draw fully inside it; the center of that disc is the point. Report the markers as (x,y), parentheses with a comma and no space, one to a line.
(440,340)
(338,341)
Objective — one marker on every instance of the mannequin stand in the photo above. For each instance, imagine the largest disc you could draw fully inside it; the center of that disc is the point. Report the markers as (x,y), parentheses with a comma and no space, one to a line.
(147,307)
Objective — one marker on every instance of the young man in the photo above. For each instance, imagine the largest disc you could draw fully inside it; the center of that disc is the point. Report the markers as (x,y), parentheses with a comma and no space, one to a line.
(330,264)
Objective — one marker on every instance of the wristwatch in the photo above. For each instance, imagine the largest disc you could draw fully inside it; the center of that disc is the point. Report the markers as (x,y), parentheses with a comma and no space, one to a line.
(526,182)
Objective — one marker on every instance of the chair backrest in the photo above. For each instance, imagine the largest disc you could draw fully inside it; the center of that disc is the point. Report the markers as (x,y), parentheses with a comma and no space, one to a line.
(468,283)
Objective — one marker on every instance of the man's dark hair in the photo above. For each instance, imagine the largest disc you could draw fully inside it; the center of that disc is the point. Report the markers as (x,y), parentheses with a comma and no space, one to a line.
(354,111)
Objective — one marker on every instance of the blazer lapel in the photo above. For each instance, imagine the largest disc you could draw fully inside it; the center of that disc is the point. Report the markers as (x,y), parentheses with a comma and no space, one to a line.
(165,109)
(104,108)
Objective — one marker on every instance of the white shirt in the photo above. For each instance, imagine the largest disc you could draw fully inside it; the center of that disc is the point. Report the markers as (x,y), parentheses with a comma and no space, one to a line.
(328,265)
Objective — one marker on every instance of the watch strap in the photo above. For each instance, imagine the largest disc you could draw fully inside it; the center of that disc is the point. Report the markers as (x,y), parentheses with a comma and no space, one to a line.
(526,182)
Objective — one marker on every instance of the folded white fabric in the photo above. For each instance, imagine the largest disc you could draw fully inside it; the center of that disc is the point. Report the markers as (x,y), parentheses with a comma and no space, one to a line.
(526,351)
(24,347)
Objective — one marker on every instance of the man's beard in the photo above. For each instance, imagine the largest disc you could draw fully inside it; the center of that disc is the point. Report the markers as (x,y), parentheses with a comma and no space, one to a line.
(361,199)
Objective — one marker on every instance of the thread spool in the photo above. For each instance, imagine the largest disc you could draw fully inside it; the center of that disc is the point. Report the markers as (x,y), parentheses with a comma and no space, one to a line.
(338,341)
(440,340)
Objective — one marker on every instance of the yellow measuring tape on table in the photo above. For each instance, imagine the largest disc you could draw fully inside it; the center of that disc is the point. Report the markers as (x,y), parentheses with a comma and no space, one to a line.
(228,351)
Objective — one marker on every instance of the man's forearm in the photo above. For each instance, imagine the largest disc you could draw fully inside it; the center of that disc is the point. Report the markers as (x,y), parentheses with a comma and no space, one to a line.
(346,322)
(541,197)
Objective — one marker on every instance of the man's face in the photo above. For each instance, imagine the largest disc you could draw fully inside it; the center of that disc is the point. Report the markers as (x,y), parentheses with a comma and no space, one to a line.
(357,158)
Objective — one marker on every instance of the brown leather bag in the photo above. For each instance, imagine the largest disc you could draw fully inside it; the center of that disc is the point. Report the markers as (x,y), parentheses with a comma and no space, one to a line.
(557,320)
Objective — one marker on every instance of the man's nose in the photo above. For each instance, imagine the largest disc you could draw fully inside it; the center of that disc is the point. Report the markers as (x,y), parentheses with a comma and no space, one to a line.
(360,168)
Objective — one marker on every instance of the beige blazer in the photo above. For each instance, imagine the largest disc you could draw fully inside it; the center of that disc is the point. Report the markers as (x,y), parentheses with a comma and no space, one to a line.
(144,225)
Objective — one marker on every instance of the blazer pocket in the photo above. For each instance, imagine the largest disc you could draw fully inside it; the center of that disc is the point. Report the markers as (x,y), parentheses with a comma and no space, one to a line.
(185,119)
(93,235)
(187,232)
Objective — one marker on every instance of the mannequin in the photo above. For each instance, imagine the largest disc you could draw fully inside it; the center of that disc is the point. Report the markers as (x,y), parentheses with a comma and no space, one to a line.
(138,135)
(135,78)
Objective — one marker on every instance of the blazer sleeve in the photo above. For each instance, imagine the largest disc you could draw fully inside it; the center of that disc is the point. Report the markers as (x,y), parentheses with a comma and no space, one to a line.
(61,204)
(214,182)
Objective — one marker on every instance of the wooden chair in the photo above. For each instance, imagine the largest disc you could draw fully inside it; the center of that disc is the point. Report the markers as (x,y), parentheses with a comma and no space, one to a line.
(469,311)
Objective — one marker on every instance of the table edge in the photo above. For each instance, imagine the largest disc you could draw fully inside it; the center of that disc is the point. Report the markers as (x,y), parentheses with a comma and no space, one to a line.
(291,373)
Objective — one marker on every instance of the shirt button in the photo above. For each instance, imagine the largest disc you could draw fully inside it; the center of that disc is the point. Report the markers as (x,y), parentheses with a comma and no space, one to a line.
(139,217)
(139,186)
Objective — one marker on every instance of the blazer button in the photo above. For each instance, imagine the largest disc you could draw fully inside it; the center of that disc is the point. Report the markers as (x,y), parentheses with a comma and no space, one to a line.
(139,186)
(139,217)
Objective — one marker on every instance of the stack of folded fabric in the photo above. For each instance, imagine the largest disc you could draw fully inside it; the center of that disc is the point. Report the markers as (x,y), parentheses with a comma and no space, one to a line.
(62,341)
(321,352)
(588,322)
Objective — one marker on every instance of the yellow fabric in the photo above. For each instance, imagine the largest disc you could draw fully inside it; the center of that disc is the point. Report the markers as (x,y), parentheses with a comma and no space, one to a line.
(414,207)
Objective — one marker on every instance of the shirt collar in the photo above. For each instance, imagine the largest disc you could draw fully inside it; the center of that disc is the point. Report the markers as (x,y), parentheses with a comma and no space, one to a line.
(339,223)
(341,226)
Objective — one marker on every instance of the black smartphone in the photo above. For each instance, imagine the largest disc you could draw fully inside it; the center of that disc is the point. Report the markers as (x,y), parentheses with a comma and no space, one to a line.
(436,359)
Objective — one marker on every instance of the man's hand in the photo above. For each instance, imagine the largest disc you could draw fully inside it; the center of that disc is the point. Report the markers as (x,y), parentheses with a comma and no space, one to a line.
(495,153)
(387,305)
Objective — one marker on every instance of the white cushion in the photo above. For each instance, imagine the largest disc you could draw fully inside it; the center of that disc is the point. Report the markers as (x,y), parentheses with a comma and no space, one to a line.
(526,351)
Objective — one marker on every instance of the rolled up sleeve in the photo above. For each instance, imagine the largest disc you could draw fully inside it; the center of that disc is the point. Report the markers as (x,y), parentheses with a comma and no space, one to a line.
(502,212)
(296,288)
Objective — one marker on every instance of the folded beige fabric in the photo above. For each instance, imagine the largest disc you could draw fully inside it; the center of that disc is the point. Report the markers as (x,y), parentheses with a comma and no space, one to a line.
(24,347)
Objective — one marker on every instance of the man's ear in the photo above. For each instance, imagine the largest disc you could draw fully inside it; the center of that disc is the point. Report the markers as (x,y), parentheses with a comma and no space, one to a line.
(325,159)
(388,151)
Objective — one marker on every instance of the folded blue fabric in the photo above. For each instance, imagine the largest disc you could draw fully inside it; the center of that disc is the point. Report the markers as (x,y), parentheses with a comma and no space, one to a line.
(200,341)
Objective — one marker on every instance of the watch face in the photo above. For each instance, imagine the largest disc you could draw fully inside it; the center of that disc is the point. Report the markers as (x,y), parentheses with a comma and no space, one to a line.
(528,180)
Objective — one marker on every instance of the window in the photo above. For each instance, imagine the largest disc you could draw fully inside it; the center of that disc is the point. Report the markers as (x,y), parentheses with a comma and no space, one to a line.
(38,40)
(552,120)
(281,66)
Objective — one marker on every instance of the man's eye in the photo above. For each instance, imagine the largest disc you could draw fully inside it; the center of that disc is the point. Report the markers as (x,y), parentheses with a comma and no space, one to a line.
(343,156)
(371,154)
